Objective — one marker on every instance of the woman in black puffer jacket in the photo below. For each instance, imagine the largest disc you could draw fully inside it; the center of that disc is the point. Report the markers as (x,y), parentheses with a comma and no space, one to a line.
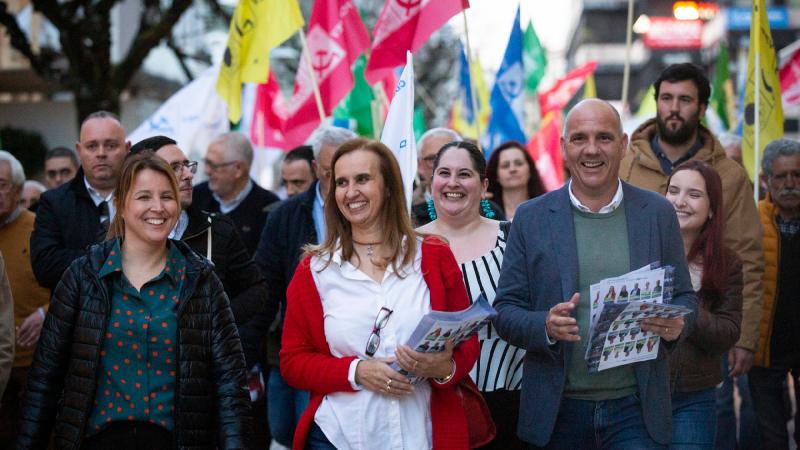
(139,349)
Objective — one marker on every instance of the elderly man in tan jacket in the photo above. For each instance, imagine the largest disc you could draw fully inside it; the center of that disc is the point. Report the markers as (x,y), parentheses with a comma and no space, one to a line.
(674,136)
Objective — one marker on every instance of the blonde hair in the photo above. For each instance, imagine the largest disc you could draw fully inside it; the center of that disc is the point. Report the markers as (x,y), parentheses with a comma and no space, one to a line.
(135,163)
(398,234)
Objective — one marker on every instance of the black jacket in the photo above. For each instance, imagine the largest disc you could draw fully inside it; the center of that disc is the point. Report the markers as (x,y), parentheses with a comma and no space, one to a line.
(211,397)
(243,281)
(67,223)
(249,216)
(289,227)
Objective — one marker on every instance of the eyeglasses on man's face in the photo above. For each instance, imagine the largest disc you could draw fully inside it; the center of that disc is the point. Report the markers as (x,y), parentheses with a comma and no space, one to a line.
(374,340)
(178,166)
(216,166)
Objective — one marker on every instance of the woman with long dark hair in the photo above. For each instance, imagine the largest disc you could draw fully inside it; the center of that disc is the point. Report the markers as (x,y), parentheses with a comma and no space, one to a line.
(139,349)
(513,178)
(695,190)
(352,304)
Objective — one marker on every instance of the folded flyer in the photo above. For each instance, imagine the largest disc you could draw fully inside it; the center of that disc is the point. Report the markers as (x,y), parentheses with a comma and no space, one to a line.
(437,327)
(618,307)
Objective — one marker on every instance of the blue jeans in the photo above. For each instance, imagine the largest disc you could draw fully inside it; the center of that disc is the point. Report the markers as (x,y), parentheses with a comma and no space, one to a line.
(749,434)
(694,420)
(609,424)
(285,405)
(317,440)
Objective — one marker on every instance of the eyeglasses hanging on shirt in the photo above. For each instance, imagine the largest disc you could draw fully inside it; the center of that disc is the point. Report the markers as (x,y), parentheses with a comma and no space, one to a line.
(374,340)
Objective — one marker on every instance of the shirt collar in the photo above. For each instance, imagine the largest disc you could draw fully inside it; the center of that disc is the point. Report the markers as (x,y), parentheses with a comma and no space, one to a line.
(225,208)
(666,164)
(613,205)
(174,269)
(318,198)
(180,225)
(12,217)
(95,195)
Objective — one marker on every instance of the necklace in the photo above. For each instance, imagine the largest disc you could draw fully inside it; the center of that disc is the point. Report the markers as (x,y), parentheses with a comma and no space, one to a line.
(370,246)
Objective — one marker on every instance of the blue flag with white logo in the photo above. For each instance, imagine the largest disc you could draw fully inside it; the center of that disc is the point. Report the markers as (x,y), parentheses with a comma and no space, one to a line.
(464,87)
(508,100)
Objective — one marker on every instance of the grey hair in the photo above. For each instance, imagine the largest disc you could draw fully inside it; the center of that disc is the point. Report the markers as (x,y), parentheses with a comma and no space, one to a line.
(592,100)
(778,147)
(17,172)
(35,184)
(236,145)
(328,135)
(452,135)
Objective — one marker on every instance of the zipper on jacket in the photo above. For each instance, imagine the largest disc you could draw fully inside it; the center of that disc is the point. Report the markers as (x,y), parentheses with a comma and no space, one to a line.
(84,417)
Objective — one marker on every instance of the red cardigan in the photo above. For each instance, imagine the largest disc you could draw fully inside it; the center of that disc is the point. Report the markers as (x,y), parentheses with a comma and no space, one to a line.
(306,362)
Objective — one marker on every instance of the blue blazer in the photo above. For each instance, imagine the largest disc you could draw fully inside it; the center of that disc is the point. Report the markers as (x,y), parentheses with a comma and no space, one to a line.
(540,269)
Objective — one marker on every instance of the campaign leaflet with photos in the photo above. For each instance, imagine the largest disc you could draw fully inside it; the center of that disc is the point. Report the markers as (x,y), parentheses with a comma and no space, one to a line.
(437,327)
(618,307)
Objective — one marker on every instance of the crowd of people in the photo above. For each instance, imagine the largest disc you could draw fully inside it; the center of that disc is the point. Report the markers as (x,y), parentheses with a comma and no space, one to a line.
(140,310)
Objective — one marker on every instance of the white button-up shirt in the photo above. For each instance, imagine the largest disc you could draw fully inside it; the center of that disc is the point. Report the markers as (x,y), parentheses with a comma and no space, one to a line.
(351,300)
(97,199)
(614,204)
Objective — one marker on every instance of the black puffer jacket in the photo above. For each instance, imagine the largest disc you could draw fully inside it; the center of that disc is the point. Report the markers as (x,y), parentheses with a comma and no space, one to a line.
(211,399)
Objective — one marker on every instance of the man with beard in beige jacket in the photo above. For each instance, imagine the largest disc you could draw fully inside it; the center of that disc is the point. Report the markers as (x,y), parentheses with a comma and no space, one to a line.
(674,136)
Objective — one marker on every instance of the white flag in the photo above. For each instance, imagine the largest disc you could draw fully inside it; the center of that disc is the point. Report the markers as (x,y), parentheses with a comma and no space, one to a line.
(398,131)
(193,116)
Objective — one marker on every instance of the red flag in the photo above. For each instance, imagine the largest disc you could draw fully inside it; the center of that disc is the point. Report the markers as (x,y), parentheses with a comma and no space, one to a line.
(405,25)
(269,115)
(545,149)
(790,80)
(559,95)
(336,37)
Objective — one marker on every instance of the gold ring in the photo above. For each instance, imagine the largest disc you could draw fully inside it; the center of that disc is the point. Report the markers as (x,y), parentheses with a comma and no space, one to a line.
(666,330)
(415,365)
(388,385)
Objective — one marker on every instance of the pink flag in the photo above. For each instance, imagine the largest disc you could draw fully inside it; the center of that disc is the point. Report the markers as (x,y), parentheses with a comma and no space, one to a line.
(545,149)
(790,80)
(336,37)
(404,25)
(269,115)
(559,95)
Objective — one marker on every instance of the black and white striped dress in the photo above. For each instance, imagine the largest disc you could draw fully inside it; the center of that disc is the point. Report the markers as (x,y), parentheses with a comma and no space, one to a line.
(499,365)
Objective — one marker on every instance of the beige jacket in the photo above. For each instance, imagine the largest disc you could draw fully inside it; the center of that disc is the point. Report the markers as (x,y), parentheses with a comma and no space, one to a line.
(743,233)
(7,330)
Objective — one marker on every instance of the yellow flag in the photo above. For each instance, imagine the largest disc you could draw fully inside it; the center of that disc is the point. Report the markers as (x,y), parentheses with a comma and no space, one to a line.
(458,122)
(768,111)
(257,27)
(590,89)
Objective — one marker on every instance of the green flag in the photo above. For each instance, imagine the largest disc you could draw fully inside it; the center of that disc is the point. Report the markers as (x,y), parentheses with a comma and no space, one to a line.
(720,95)
(358,103)
(534,59)
(419,122)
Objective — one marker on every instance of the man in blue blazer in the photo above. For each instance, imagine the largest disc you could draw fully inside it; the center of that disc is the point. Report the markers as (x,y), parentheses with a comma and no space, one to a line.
(593,228)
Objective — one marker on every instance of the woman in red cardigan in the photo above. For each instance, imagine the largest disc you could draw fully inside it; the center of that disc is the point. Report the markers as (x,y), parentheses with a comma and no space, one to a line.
(352,304)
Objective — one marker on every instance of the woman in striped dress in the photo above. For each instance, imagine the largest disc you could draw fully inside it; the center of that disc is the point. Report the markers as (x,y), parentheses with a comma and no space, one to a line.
(458,186)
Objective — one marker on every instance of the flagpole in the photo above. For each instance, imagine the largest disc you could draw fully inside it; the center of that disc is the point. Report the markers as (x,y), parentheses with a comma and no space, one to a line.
(757,122)
(476,113)
(626,75)
(313,77)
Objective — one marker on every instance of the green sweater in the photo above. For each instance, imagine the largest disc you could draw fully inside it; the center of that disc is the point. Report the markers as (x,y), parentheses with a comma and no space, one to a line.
(603,252)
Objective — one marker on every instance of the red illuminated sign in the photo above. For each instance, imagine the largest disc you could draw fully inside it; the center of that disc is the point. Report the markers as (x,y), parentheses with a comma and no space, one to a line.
(669,33)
